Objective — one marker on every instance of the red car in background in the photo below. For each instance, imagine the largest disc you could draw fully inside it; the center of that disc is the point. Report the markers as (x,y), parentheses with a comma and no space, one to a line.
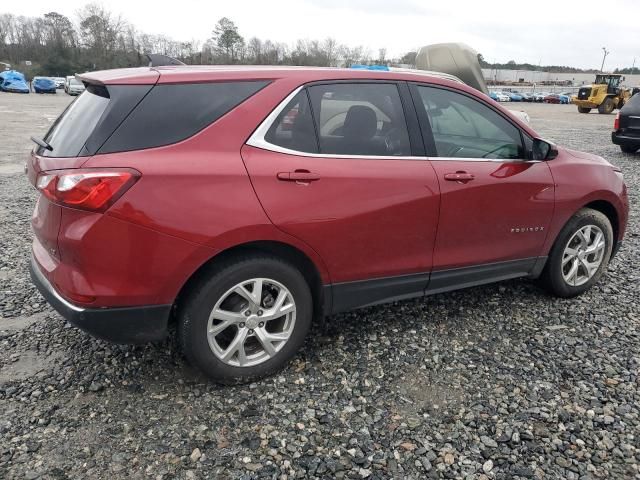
(552,98)
(243,203)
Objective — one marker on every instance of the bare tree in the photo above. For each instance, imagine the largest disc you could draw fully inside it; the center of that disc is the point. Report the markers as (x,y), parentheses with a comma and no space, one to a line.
(227,39)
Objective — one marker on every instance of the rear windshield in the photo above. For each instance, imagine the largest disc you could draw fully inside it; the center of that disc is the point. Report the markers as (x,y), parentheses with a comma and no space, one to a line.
(71,130)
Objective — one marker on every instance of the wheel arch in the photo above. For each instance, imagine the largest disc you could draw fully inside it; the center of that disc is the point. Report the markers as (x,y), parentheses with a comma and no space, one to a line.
(609,210)
(279,249)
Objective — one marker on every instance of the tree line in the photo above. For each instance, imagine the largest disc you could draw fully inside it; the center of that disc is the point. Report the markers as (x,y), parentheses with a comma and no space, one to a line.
(98,39)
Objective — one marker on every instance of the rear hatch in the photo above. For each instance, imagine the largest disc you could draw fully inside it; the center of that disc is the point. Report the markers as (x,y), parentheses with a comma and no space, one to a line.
(630,116)
(77,134)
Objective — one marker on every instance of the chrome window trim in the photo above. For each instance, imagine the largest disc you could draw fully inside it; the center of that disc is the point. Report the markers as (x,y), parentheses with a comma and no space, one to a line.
(257,140)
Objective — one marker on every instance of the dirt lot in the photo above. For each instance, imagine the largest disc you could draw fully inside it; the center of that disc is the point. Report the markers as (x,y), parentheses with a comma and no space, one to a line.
(500,381)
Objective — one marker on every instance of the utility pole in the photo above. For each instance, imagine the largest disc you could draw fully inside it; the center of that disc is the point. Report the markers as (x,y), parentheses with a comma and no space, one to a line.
(633,67)
(606,52)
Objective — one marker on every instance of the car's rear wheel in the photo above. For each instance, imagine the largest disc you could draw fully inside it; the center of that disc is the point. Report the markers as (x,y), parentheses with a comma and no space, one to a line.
(245,319)
(628,149)
(580,254)
(584,109)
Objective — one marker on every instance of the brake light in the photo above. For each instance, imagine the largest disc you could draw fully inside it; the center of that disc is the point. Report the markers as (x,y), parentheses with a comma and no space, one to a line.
(616,122)
(90,189)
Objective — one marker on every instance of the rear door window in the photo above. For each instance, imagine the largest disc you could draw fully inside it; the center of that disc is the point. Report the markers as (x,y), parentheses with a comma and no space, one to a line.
(360,119)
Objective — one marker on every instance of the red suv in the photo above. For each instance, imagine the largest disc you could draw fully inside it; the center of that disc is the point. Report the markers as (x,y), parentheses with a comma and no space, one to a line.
(245,202)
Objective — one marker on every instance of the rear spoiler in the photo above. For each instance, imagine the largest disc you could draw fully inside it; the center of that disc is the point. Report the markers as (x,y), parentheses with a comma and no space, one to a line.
(158,60)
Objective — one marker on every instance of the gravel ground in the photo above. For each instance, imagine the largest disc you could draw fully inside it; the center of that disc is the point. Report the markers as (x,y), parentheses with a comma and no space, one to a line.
(497,382)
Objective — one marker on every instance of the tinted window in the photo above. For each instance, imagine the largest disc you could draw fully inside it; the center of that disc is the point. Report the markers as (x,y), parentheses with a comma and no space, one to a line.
(465,128)
(293,128)
(360,119)
(70,131)
(171,113)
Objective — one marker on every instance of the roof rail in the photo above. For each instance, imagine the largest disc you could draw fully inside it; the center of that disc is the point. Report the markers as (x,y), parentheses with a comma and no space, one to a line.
(159,60)
(429,73)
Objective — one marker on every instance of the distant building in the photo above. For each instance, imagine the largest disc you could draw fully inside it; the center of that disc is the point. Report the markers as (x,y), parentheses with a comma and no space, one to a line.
(503,76)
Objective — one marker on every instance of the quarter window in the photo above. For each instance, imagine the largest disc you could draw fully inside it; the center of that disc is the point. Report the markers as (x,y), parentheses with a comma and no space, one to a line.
(170,113)
(360,119)
(293,128)
(465,128)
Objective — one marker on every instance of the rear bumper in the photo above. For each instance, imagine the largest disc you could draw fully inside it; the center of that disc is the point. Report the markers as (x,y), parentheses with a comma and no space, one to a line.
(121,325)
(620,138)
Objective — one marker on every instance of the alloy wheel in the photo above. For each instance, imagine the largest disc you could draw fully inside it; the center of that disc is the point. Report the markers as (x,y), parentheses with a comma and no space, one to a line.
(583,255)
(251,322)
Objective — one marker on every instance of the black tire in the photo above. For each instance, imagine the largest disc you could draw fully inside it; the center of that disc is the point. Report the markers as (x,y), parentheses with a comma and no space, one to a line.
(628,149)
(607,106)
(552,278)
(584,109)
(212,285)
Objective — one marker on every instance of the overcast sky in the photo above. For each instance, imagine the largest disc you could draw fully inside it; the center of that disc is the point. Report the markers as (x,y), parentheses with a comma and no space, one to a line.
(560,32)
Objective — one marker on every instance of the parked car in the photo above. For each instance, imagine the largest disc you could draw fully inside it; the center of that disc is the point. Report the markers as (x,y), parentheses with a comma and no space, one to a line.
(59,81)
(513,96)
(493,96)
(75,86)
(552,98)
(66,82)
(539,97)
(503,97)
(243,229)
(43,85)
(526,97)
(569,96)
(626,127)
(13,81)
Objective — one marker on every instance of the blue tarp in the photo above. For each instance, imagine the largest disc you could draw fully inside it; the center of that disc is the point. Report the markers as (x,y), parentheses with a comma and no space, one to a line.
(44,84)
(382,68)
(13,81)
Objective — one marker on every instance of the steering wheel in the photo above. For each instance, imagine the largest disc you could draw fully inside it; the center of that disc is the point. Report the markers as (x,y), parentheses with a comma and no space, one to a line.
(486,155)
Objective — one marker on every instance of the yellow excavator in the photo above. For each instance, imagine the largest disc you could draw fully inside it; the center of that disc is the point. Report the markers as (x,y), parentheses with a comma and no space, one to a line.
(605,94)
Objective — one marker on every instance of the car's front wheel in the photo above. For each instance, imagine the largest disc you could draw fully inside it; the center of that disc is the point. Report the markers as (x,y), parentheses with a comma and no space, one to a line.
(246,318)
(580,254)
(628,149)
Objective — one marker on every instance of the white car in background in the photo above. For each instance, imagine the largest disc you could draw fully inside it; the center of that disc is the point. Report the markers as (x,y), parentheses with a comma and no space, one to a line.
(503,97)
(59,81)
(74,86)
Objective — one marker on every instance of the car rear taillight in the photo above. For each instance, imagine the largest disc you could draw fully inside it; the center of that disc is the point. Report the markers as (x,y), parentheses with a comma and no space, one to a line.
(94,190)
(616,122)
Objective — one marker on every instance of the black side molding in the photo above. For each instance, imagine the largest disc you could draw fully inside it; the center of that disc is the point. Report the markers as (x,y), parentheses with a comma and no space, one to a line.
(456,278)
(351,295)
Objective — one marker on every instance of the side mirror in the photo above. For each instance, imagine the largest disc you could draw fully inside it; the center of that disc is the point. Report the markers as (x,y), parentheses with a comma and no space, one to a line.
(543,150)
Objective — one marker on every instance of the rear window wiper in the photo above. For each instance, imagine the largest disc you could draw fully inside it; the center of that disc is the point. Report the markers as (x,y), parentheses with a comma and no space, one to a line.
(42,143)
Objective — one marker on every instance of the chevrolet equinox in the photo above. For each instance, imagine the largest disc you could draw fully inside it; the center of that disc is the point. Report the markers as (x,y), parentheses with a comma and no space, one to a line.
(242,203)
